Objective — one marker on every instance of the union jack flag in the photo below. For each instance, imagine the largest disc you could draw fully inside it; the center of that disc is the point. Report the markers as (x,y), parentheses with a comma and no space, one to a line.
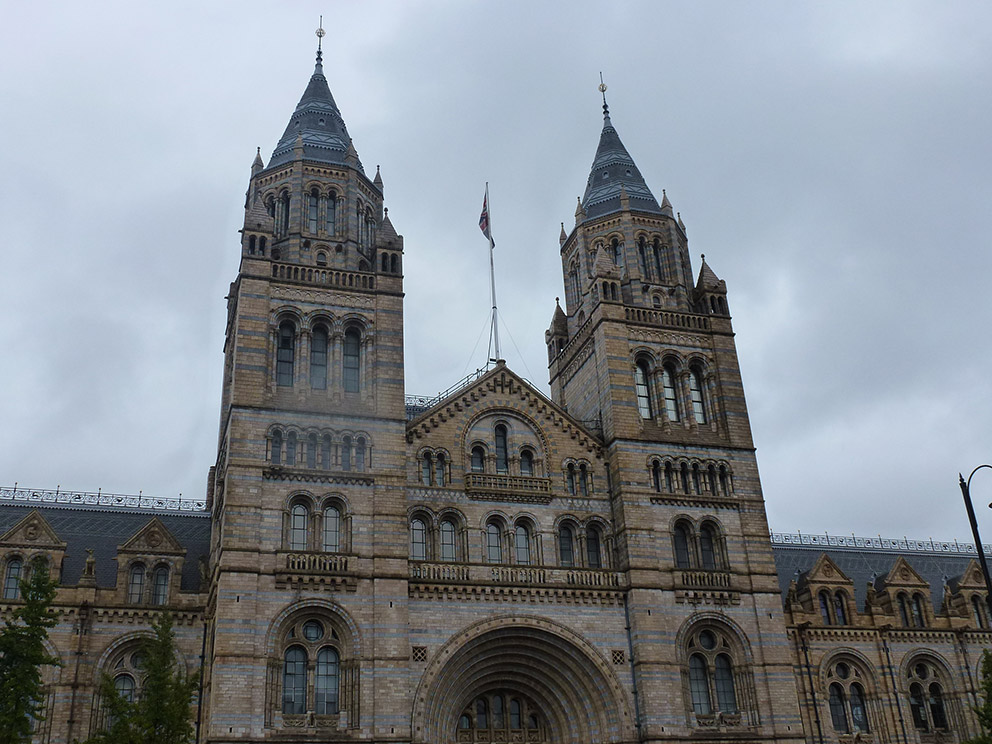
(484,218)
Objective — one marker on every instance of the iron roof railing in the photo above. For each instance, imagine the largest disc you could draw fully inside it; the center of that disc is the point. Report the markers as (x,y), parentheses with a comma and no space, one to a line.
(898,544)
(100,500)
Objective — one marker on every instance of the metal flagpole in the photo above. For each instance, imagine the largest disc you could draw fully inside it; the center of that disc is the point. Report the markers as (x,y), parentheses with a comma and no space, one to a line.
(492,273)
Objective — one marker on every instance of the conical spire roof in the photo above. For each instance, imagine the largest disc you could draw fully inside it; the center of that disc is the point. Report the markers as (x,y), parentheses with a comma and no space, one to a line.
(613,168)
(318,121)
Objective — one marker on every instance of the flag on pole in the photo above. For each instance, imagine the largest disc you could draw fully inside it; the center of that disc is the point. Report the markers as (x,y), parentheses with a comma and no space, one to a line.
(484,218)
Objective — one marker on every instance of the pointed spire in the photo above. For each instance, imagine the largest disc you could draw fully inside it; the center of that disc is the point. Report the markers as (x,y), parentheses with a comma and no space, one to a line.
(708,280)
(318,121)
(563,237)
(257,163)
(580,213)
(613,170)
(378,178)
(559,322)
(386,233)
(666,206)
(681,223)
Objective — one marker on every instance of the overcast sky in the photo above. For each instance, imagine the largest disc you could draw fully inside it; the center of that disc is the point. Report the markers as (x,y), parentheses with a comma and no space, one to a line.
(832,161)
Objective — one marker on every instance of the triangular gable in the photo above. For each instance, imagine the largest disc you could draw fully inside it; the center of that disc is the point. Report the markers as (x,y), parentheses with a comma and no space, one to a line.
(153,538)
(502,381)
(825,571)
(33,531)
(971,578)
(904,575)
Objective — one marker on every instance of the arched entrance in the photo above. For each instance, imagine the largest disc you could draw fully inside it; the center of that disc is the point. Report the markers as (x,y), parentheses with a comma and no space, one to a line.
(520,679)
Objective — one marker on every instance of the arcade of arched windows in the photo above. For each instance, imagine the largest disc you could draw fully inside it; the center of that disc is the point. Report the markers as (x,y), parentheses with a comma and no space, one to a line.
(651,253)
(691,477)
(851,697)
(313,679)
(834,607)
(934,706)
(318,449)
(126,670)
(331,354)
(913,609)
(578,477)
(434,467)
(312,524)
(321,208)
(257,244)
(675,390)
(502,715)
(700,545)
(17,566)
(510,540)
(148,581)
(511,450)
(389,263)
(717,680)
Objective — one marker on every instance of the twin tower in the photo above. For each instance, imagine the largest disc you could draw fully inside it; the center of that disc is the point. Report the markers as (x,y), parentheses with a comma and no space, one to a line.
(502,566)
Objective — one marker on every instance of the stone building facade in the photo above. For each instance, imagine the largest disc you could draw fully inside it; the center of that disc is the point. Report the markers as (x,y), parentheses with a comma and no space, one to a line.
(492,565)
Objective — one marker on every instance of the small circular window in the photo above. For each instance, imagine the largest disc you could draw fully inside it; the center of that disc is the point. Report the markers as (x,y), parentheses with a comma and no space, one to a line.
(843,670)
(707,640)
(312,630)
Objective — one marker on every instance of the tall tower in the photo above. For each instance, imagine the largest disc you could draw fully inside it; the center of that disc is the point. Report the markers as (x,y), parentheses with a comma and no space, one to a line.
(649,357)
(311,445)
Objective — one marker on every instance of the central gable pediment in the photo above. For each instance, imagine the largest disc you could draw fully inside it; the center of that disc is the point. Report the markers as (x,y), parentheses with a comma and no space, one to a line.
(501,388)
(903,575)
(153,539)
(33,531)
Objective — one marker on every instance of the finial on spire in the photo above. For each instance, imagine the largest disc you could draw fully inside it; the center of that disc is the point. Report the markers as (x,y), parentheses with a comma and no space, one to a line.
(602,89)
(320,38)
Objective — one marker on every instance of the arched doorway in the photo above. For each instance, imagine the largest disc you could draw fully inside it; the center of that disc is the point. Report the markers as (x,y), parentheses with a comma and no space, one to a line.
(520,679)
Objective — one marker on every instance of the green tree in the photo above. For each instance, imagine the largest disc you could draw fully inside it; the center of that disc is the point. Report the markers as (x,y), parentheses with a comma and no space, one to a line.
(984,710)
(23,654)
(162,710)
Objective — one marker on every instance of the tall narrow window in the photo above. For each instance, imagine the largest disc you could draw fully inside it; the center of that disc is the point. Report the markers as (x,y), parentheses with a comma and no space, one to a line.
(696,392)
(318,359)
(904,611)
(360,448)
(566,549)
(439,466)
(478,460)
(346,453)
(838,711)
(425,469)
(298,527)
(707,547)
(682,546)
(481,714)
(656,253)
(919,616)
(325,452)
(160,586)
(291,448)
(840,610)
(326,683)
(671,395)
(494,551)
(936,702)
(656,475)
(522,545)
(976,606)
(527,463)
(617,250)
(699,685)
(285,354)
(917,708)
(261,246)
(583,481)
(570,479)
(276,453)
(312,202)
(448,533)
(332,204)
(312,451)
(124,686)
(642,259)
(351,352)
(724,481)
(685,478)
(825,608)
(501,460)
(285,214)
(418,540)
(594,557)
(12,580)
(859,715)
(643,391)
(697,485)
(332,529)
(251,245)
(669,478)
(294,681)
(723,680)
(498,711)
(136,584)
(515,721)
(711,479)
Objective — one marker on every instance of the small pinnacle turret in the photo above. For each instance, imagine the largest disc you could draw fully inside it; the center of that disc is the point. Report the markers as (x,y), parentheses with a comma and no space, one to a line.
(378,178)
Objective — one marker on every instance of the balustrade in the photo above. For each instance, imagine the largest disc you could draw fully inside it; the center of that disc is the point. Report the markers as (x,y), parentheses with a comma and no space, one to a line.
(484,573)
(324,277)
(317,563)
(706,579)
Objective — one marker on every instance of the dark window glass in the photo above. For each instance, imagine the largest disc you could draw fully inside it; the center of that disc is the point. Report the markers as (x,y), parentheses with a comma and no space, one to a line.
(916,707)
(501,463)
(515,714)
(594,558)
(346,453)
(136,584)
(498,711)
(669,478)
(318,359)
(583,481)
(723,680)
(291,448)
(285,354)
(566,550)
(294,680)
(360,447)
(425,469)
(526,463)
(332,529)
(326,683)
(448,540)
(478,460)
(859,715)
(494,551)
(919,616)
(644,406)
(125,687)
(904,611)
(331,213)
(439,464)
(840,612)
(682,546)
(481,714)
(838,711)
(570,479)
(707,547)
(160,585)
(671,395)
(699,686)
(325,452)
(825,608)
(312,203)
(522,544)
(12,580)
(351,350)
(418,540)
(298,528)
(696,392)
(276,447)
(656,475)
(976,605)
(936,700)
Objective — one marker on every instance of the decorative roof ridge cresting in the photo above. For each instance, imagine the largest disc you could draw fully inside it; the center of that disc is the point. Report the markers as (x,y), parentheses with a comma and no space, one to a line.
(99,500)
(879,543)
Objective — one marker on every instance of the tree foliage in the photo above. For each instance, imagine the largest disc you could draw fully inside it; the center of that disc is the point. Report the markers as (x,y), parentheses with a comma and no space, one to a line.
(984,709)
(23,654)
(162,710)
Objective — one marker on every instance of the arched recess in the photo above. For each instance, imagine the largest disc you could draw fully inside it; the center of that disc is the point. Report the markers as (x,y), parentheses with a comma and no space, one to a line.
(577,692)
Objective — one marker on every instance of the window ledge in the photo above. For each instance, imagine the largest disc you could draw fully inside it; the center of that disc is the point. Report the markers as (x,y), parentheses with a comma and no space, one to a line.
(494,487)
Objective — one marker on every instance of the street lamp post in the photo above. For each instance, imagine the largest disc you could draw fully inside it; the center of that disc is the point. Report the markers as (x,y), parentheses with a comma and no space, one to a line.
(966,492)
